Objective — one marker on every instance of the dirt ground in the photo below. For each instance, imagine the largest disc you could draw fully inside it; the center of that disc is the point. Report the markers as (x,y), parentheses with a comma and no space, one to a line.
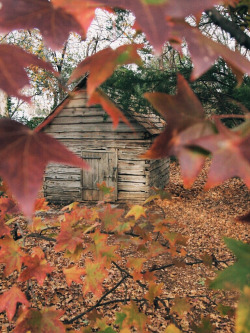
(205,218)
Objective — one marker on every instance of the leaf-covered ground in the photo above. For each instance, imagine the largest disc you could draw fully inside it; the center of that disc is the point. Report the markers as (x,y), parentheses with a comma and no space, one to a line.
(205,218)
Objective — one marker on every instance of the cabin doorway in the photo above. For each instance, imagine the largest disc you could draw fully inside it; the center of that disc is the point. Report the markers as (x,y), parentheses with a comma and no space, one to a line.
(103,165)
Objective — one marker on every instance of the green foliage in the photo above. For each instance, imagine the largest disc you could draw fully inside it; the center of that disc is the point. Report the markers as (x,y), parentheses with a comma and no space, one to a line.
(34,122)
(237,275)
(217,89)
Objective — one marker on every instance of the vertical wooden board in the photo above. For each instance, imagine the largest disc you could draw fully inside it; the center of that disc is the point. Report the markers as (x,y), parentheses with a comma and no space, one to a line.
(103,166)
(95,179)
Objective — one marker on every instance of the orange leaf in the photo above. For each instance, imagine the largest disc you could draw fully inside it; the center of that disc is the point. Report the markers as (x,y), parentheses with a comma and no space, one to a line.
(100,249)
(73,274)
(9,300)
(11,255)
(131,317)
(95,273)
(137,211)
(37,267)
(110,216)
(154,290)
(40,321)
(68,238)
(41,205)
(136,265)
(172,329)
(4,229)
(125,54)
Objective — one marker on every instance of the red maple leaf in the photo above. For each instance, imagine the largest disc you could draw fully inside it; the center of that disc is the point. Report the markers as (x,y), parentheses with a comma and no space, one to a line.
(231,156)
(11,255)
(204,52)
(69,237)
(9,300)
(41,205)
(13,61)
(180,111)
(54,24)
(152,17)
(37,267)
(40,321)
(185,120)
(99,97)
(83,11)
(24,155)
(4,229)
(8,206)
(123,55)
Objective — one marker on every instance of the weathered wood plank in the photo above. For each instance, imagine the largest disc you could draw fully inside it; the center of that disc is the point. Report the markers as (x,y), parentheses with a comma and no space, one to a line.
(93,119)
(82,111)
(132,178)
(125,164)
(130,196)
(92,127)
(66,184)
(57,169)
(77,102)
(132,187)
(109,135)
(136,172)
(62,176)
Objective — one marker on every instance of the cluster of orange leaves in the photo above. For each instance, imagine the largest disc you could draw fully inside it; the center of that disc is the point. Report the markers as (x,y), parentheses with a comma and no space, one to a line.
(85,231)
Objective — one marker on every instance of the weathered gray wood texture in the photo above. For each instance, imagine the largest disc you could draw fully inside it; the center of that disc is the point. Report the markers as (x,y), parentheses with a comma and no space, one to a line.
(112,154)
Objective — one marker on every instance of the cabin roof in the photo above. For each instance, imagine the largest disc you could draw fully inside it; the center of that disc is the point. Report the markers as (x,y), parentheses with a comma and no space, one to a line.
(150,121)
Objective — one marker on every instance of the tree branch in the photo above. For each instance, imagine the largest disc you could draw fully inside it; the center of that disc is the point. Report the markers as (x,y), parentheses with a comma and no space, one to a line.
(230,27)
(98,303)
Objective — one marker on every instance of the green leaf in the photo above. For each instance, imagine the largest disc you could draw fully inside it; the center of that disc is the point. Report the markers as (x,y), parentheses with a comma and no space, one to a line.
(204,327)
(237,275)
(243,313)
(172,329)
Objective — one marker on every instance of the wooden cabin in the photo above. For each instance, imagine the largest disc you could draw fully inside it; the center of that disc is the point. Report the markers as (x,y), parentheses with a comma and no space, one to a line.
(112,154)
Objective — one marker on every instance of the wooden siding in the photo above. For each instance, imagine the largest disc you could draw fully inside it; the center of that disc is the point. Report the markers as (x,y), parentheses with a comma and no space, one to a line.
(159,173)
(83,128)
(132,175)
